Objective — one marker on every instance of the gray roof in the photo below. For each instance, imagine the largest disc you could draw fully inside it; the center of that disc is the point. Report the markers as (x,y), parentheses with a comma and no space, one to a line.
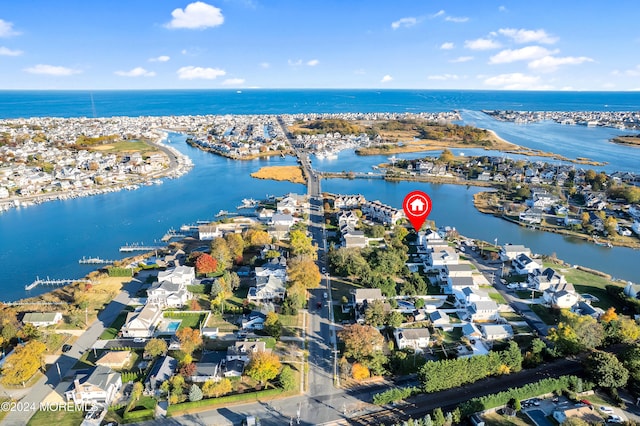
(461,281)
(461,267)
(163,369)
(414,333)
(102,377)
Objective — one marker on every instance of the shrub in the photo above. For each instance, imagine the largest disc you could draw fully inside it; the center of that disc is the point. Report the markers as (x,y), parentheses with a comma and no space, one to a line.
(195,394)
(359,371)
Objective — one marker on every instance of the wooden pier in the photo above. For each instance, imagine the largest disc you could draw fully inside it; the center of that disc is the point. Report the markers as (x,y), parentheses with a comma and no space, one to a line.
(49,281)
(95,261)
(140,247)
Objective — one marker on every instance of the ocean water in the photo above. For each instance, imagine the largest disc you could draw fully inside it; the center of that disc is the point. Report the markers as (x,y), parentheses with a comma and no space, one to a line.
(49,239)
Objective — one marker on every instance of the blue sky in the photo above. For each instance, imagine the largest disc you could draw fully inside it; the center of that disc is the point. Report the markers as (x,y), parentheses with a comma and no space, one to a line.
(400,44)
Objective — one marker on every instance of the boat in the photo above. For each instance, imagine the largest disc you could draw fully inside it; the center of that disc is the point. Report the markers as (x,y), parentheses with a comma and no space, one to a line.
(248,203)
(225,213)
(602,243)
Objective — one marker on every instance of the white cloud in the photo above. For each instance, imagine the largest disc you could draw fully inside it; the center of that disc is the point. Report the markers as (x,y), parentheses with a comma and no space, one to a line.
(293,63)
(196,16)
(460,59)
(5,51)
(6,29)
(525,54)
(502,8)
(456,19)
(551,63)
(387,78)
(163,58)
(136,72)
(437,14)
(265,65)
(634,72)
(516,81)
(404,23)
(443,77)
(51,70)
(233,82)
(313,62)
(193,73)
(447,46)
(528,36)
(481,44)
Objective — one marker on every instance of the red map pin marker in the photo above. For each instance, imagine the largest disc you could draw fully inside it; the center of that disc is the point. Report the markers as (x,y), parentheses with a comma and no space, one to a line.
(417,206)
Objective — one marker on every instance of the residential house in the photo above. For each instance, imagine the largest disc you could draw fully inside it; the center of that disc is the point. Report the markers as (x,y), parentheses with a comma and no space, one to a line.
(455,285)
(542,199)
(367,295)
(353,238)
(42,319)
(166,293)
(287,206)
(440,257)
(233,368)
(584,308)
(414,338)
(282,219)
(469,295)
(439,318)
(254,321)
(561,296)
(208,368)
(511,251)
(482,311)
(116,360)
(379,212)
(243,350)
(265,215)
(496,331)
(524,265)
(142,323)
(545,279)
(267,289)
(348,201)
(184,275)
(208,232)
(162,370)
(348,218)
(532,215)
(584,412)
(470,331)
(100,386)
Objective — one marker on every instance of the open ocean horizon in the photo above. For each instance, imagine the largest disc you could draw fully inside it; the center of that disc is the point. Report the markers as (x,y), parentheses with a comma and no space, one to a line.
(109,103)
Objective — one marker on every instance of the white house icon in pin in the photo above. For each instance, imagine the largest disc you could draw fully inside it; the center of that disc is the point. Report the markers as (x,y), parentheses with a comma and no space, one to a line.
(417,205)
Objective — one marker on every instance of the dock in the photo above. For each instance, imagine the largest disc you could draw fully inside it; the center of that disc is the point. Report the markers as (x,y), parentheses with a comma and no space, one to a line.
(49,281)
(173,234)
(94,261)
(140,247)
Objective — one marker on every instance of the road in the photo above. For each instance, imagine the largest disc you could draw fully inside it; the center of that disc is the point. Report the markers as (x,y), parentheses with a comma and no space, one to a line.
(66,361)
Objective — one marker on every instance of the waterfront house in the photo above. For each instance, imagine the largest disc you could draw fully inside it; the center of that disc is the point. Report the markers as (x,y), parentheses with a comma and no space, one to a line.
(532,216)
(545,279)
(42,319)
(142,322)
(208,232)
(100,386)
(414,338)
(184,275)
(168,294)
(162,370)
(561,296)
(511,251)
(524,265)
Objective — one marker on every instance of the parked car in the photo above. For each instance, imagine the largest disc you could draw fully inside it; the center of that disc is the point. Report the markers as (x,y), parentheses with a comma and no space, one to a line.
(606,410)
(66,347)
(614,419)
(139,340)
(325,295)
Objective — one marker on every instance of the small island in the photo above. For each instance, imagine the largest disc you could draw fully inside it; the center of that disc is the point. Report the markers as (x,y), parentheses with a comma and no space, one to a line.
(280,173)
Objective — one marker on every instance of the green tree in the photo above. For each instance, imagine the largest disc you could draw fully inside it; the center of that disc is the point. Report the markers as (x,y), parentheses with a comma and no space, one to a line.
(263,366)
(374,314)
(574,421)
(605,370)
(576,333)
(195,393)
(394,319)
(235,242)
(272,325)
(438,417)
(348,262)
(156,347)
(177,384)
(287,379)
(220,251)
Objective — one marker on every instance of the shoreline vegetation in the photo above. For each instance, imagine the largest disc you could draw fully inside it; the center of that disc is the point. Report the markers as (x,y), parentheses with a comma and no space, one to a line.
(482,203)
(280,173)
(630,140)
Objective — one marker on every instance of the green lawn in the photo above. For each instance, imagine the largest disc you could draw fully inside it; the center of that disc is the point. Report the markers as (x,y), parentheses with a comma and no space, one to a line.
(341,287)
(226,323)
(58,418)
(116,325)
(497,297)
(511,316)
(548,316)
(187,319)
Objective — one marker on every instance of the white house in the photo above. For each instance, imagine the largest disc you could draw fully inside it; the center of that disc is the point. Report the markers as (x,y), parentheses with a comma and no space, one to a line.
(184,275)
(208,232)
(483,310)
(170,294)
(545,279)
(511,251)
(362,295)
(42,319)
(414,338)
(524,265)
(98,387)
(267,289)
(243,350)
(561,295)
(142,323)
(496,331)
(353,238)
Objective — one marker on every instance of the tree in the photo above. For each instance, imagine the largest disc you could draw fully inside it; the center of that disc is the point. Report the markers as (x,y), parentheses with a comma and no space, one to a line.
(302,245)
(576,333)
(438,417)
(394,319)
(136,393)
(611,225)
(190,339)
(216,389)
(263,366)
(609,315)
(446,156)
(374,314)
(359,371)
(156,347)
(605,370)
(256,237)
(23,363)
(574,421)
(303,270)
(188,370)
(272,325)
(177,384)
(195,394)
(287,379)
(221,252)
(236,246)
(205,264)
(360,341)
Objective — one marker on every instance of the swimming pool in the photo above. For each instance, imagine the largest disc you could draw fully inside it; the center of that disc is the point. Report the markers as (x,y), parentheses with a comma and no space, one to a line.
(173,326)
(168,326)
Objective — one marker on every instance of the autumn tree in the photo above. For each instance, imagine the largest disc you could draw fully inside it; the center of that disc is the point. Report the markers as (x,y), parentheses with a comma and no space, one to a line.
(302,245)
(215,389)
(576,333)
(235,242)
(303,270)
(256,237)
(359,371)
(190,339)
(188,370)
(263,366)
(23,363)
(360,341)
(221,252)
(272,325)
(206,264)
(156,347)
